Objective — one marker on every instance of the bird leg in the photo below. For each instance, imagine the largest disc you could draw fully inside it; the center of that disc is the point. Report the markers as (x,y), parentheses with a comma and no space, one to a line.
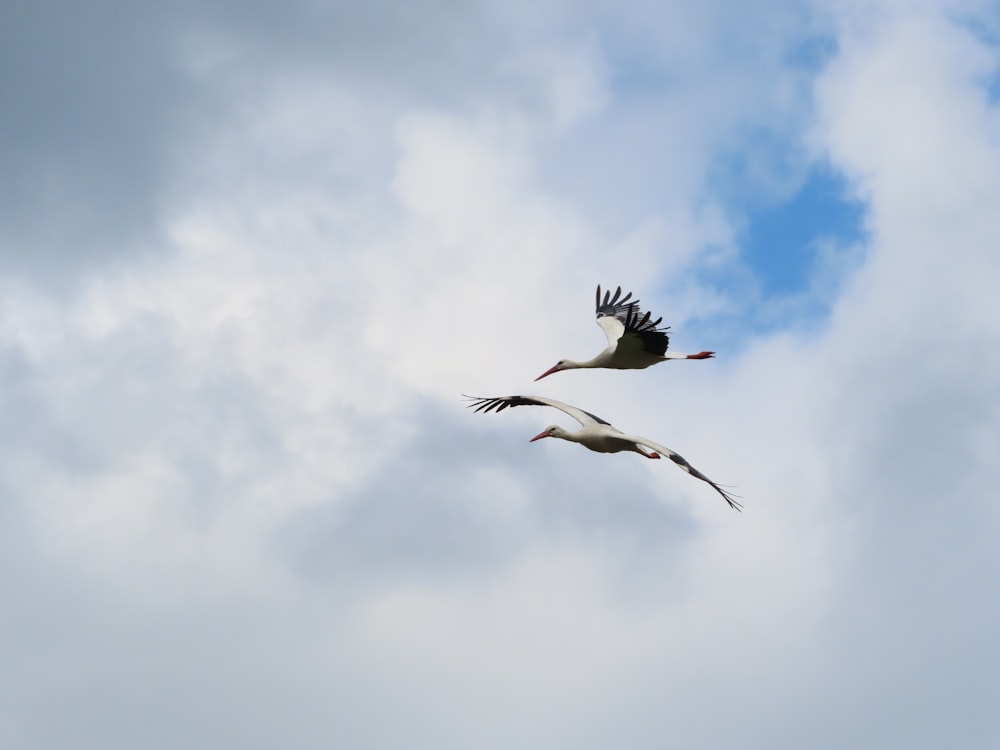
(651,455)
(701,355)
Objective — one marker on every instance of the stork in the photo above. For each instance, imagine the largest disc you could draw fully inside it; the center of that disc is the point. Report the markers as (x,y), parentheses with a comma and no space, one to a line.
(596,434)
(634,341)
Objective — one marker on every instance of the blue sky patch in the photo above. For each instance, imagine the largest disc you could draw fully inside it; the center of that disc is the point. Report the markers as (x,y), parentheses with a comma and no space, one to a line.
(779,241)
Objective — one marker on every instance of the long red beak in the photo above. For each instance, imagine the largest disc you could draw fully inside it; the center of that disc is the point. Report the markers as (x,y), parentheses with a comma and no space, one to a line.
(554,368)
(540,435)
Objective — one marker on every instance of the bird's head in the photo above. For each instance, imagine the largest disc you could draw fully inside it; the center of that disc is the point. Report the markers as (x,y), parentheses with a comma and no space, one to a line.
(562,364)
(551,431)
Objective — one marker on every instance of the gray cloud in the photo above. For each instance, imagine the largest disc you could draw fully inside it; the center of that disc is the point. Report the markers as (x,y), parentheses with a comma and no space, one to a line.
(92,102)
(104,108)
(241,503)
(445,505)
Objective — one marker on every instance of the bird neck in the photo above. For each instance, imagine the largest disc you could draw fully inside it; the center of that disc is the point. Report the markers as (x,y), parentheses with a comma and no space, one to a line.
(572,364)
(573,437)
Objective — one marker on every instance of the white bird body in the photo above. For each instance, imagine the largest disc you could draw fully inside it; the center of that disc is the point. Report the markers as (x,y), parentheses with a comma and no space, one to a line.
(596,434)
(634,342)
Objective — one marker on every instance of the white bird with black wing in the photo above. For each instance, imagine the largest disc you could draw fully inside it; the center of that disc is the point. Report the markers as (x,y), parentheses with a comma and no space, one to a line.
(634,341)
(596,434)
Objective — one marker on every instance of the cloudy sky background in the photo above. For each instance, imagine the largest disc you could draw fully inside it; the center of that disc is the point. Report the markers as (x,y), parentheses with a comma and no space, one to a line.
(251,254)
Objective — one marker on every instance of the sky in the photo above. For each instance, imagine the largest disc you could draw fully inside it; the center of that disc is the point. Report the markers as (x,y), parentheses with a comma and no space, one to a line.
(252,254)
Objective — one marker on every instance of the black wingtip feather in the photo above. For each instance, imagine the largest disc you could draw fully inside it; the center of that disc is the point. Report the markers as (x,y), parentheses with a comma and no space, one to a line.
(491,404)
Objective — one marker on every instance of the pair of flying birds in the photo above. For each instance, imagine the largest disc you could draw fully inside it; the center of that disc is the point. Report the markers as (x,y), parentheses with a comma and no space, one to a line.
(634,343)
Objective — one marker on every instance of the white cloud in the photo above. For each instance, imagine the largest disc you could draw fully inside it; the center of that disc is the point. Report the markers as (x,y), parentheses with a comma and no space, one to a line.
(243,504)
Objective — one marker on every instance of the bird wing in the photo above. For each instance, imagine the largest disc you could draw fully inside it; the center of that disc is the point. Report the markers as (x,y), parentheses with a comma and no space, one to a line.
(612,312)
(499,403)
(615,306)
(614,329)
(627,326)
(683,464)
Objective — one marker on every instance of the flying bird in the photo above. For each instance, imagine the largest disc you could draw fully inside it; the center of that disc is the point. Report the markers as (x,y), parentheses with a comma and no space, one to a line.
(634,341)
(596,434)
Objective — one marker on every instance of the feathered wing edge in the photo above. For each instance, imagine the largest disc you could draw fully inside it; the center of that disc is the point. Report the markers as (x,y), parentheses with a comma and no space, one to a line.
(499,403)
(682,462)
(487,404)
(613,305)
(628,312)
